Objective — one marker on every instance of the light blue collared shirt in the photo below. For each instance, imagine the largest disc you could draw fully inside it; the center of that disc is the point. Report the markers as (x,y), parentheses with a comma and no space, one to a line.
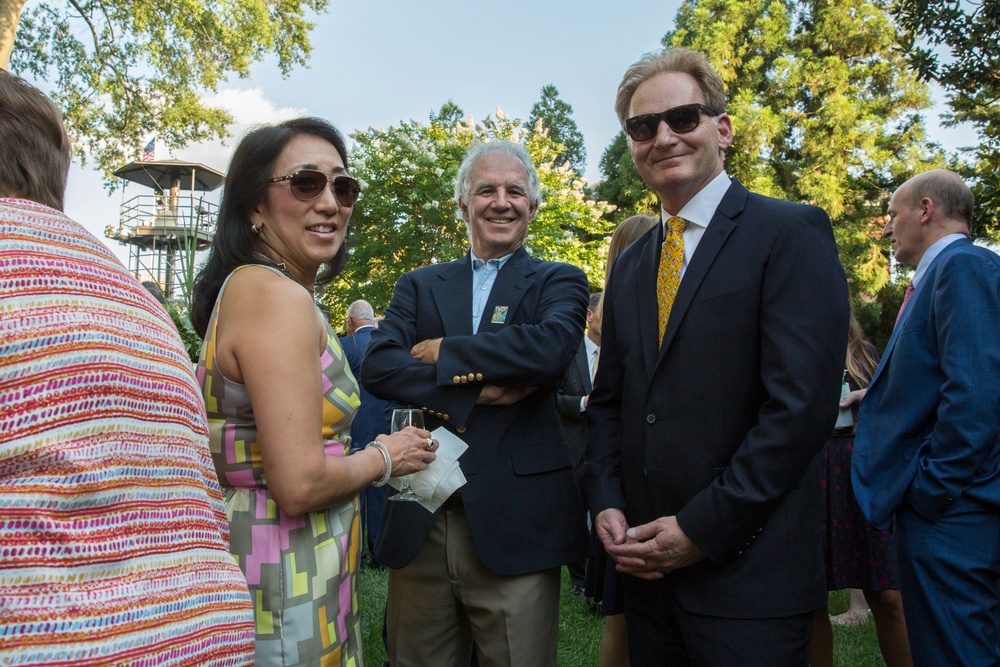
(931,254)
(592,350)
(484,274)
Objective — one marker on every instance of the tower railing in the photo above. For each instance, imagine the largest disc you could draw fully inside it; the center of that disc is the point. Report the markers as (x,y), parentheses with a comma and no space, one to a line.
(163,233)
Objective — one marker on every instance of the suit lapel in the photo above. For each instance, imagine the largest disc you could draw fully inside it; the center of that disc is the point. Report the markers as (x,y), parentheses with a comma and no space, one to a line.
(649,325)
(712,241)
(453,297)
(915,302)
(512,282)
(583,368)
(884,361)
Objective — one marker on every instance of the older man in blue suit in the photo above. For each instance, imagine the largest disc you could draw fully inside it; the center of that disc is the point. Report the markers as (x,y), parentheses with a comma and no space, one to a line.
(927,451)
(369,421)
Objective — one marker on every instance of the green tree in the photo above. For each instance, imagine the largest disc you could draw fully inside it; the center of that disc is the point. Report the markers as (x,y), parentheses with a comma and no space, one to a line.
(127,69)
(448,114)
(556,116)
(621,184)
(955,43)
(825,110)
(407,216)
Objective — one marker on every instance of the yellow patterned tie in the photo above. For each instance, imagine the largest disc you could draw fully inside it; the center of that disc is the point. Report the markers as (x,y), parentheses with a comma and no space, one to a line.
(668,278)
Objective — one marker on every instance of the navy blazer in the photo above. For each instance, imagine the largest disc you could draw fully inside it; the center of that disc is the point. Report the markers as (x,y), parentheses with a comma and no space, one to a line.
(721,425)
(370,419)
(522,502)
(929,426)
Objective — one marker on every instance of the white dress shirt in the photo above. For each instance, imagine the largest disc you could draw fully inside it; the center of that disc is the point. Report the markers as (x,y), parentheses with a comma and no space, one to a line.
(698,212)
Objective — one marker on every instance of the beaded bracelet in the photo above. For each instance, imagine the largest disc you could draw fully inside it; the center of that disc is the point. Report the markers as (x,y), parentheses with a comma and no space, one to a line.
(381,481)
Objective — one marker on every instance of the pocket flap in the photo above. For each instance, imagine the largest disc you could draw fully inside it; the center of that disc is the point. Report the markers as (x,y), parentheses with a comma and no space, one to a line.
(540,457)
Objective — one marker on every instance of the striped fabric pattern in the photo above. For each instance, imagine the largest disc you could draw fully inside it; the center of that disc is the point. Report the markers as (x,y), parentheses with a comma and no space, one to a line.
(113,535)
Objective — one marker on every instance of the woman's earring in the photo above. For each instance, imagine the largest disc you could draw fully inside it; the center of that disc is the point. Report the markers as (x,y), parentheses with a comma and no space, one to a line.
(255,228)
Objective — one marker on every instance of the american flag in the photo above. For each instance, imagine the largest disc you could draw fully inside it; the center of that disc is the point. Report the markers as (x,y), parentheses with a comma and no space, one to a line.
(149,153)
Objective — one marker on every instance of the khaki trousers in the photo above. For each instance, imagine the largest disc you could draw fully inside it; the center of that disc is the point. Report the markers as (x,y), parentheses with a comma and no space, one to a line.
(445,600)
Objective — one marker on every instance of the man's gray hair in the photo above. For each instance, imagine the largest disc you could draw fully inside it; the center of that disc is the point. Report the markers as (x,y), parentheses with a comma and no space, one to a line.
(463,179)
(361,311)
(595,299)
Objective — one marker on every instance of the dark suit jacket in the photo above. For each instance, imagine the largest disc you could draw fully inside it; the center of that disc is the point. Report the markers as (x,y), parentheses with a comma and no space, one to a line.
(721,425)
(575,385)
(521,499)
(929,427)
(370,419)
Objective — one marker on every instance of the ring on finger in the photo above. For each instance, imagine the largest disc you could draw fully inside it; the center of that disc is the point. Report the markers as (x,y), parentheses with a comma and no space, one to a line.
(430,444)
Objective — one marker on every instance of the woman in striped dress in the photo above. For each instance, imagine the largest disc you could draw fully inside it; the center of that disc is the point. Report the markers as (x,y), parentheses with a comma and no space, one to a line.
(113,536)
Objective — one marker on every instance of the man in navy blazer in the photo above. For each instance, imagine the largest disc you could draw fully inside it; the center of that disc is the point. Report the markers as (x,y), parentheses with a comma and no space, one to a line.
(573,394)
(369,420)
(480,344)
(701,445)
(927,450)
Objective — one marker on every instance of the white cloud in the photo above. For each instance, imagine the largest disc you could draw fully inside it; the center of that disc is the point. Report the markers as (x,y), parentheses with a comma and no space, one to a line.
(249,107)
(89,204)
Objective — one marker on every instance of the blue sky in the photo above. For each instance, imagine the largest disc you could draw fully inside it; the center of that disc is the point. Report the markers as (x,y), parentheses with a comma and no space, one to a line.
(377,62)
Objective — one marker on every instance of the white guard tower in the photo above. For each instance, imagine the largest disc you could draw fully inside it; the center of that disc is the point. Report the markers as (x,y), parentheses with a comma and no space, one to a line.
(165,229)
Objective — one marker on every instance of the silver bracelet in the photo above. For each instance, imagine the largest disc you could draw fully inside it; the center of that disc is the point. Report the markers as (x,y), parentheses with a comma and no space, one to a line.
(381,481)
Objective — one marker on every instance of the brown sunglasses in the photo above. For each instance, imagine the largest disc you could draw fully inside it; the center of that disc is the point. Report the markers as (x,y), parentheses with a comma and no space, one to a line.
(307,184)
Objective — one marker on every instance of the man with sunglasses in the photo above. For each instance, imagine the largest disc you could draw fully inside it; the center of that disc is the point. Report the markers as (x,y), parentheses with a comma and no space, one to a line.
(481,344)
(722,346)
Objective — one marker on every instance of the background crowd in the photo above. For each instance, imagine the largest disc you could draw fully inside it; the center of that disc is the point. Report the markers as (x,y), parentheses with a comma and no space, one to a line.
(154,512)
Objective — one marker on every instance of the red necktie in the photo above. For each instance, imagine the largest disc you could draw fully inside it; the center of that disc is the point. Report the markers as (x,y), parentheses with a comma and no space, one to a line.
(906,299)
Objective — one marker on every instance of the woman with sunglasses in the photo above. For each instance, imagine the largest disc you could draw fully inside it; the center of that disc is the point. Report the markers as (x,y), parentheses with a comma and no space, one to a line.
(280,396)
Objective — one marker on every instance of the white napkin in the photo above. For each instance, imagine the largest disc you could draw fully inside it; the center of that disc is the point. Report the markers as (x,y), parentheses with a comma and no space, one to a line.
(846,416)
(443,476)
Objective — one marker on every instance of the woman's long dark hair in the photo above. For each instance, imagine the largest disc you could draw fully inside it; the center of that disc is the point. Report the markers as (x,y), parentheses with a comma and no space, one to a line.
(246,187)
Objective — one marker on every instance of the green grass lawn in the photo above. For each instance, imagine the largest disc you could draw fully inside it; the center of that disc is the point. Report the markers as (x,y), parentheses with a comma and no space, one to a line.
(580,628)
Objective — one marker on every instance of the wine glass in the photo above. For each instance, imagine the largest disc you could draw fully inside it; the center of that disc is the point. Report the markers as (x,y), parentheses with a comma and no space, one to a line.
(401,418)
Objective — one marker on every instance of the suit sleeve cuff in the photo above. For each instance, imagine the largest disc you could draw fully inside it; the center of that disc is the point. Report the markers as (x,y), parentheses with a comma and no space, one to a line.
(930,507)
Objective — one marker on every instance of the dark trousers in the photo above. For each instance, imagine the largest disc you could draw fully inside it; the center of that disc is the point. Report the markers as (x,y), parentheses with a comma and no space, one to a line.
(373,501)
(670,635)
(949,573)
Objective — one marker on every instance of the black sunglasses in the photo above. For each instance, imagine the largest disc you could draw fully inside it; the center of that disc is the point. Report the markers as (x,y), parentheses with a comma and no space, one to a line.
(307,184)
(679,119)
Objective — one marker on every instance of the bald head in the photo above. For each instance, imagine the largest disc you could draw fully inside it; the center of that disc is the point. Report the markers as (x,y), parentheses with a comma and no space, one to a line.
(923,210)
(946,189)
(359,314)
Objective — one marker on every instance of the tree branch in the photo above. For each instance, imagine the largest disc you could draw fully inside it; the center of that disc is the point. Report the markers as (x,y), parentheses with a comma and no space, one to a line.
(93,31)
(10,15)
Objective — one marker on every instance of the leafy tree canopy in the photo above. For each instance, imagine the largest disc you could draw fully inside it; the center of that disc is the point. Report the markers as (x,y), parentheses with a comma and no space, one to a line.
(556,116)
(825,110)
(621,183)
(957,44)
(411,219)
(123,70)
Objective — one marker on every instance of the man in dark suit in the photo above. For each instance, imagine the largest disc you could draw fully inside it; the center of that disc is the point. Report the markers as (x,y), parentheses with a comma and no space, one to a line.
(369,420)
(574,392)
(724,333)
(480,344)
(927,451)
